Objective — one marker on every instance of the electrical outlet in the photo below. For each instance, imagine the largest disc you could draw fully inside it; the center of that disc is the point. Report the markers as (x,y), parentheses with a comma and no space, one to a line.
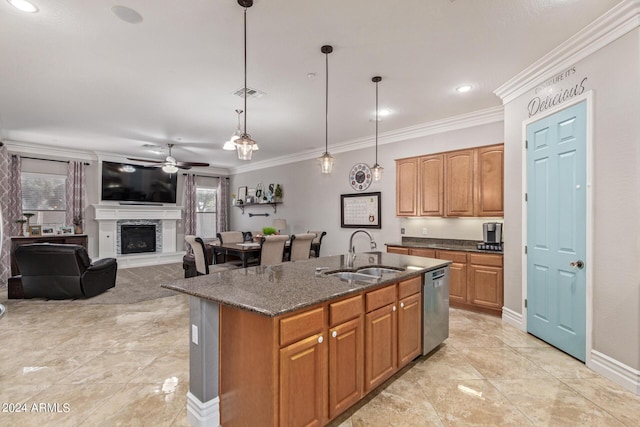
(402,230)
(424,231)
(194,334)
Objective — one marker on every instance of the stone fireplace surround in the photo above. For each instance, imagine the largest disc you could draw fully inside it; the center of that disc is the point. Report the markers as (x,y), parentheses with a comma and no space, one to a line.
(109,216)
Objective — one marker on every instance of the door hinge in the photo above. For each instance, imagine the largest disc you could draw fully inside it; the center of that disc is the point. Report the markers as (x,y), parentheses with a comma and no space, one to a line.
(525,303)
(526,197)
(526,144)
(525,249)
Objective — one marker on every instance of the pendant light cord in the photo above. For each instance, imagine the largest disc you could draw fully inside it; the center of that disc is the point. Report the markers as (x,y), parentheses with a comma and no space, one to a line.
(326,103)
(245,71)
(376,123)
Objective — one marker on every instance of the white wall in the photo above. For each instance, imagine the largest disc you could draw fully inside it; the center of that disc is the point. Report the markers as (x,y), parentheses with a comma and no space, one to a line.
(311,200)
(613,73)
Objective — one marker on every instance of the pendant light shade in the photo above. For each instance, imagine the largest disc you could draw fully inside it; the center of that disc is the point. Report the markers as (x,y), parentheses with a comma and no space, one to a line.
(230,145)
(377,170)
(326,160)
(245,145)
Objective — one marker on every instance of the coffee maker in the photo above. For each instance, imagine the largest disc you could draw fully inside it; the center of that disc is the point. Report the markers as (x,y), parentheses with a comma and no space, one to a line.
(492,235)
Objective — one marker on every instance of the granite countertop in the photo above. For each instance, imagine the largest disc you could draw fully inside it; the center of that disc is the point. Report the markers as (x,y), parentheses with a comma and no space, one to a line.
(279,289)
(446,244)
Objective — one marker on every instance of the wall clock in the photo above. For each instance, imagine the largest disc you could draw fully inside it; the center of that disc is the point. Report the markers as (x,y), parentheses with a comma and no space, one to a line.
(360,177)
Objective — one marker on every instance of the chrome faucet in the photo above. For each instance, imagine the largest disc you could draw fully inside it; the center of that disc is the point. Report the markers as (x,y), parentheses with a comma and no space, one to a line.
(352,250)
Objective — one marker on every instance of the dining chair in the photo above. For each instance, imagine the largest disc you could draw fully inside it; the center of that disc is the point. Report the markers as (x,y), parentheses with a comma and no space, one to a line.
(272,249)
(315,244)
(230,237)
(199,253)
(300,246)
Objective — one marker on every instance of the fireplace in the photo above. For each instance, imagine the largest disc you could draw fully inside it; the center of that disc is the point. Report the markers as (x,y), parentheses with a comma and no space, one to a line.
(137,238)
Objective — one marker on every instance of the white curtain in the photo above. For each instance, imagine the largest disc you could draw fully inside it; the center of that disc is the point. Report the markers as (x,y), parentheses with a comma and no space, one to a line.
(189,202)
(76,194)
(10,207)
(223,205)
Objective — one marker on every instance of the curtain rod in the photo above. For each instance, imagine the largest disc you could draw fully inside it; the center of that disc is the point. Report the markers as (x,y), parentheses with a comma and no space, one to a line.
(205,176)
(46,160)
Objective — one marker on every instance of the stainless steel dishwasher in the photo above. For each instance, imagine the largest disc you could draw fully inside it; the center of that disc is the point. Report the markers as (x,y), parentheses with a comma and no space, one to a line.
(435,323)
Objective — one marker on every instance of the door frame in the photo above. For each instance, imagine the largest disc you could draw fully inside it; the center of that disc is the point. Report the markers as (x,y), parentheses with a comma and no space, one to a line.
(588,98)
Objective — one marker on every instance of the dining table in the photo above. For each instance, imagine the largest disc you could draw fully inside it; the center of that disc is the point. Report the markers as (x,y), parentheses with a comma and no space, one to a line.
(247,251)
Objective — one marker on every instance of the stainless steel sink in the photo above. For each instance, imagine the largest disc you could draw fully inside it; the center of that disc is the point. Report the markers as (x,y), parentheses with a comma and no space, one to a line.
(352,275)
(379,271)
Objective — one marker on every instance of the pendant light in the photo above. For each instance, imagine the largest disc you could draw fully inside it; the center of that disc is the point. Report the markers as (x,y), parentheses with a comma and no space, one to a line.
(230,145)
(245,145)
(377,169)
(326,160)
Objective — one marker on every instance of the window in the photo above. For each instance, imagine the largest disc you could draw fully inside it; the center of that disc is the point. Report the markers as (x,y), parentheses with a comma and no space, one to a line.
(44,195)
(206,212)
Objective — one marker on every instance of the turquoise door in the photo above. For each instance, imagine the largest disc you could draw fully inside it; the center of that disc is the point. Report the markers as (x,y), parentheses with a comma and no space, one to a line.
(556,229)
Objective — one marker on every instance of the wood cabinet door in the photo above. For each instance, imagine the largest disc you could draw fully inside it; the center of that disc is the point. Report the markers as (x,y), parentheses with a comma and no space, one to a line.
(431,185)
(409,329)
(457,274)
(459,183)
(397,250)
(423,252)
(302,382)
(489,197)
(381,346)
(346,365)
(407,187)
(485,286)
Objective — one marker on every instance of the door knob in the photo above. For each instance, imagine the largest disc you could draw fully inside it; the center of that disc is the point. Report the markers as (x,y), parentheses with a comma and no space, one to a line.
(577,264)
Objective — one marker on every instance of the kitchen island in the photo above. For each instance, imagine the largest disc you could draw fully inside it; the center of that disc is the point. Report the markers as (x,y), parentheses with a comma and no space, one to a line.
(293,345)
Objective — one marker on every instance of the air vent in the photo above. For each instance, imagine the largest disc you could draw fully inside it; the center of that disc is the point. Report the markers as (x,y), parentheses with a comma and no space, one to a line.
(251,93)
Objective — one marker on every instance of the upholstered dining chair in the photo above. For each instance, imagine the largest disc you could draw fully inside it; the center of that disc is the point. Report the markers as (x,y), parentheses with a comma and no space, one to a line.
(199,253)
(272,249)
(300,246)
(227,237)
(316,242)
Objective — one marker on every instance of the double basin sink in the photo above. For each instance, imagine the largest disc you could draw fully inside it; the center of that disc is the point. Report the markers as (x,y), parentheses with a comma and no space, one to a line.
(365,273)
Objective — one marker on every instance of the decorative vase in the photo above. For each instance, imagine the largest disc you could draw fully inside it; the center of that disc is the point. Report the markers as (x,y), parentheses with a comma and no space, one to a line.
(78,229)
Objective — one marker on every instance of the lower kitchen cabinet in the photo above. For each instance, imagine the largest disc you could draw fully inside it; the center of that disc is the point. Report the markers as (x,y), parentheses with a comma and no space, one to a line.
(381,342)
(458,275)
(302,382)
(485,282)
(409,320)
(397,250)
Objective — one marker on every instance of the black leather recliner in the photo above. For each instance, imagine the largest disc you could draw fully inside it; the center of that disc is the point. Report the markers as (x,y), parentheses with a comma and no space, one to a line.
(56,271)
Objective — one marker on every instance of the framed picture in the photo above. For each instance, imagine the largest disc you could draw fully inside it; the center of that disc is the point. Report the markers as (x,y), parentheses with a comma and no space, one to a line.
(361,210)
(47,231)
(64,229)
(35,230)
(242,194)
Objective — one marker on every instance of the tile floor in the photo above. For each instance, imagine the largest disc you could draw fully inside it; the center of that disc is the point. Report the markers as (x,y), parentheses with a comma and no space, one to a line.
(71,364)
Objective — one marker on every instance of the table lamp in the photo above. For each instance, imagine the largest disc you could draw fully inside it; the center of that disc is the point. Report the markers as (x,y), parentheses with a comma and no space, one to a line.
(280,224)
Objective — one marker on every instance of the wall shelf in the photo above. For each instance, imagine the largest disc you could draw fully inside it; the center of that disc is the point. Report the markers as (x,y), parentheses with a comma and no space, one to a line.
(248,205)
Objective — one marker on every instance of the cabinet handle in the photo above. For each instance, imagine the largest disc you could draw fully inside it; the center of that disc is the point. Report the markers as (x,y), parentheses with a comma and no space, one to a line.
(334,334)
(401,305)
(320,339)
(394,308)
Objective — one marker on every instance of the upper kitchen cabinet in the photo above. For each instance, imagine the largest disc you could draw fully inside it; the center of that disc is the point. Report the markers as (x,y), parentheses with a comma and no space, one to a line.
(463,183)
(431,185)
(459,182)
(407,187)
(489,197)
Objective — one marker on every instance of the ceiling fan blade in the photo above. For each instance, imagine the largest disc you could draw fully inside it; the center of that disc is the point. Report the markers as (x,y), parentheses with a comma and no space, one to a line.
(190,164)
(145,160)
(181,166)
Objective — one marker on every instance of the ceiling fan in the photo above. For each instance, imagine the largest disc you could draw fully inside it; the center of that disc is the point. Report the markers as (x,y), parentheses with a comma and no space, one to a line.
(170,164)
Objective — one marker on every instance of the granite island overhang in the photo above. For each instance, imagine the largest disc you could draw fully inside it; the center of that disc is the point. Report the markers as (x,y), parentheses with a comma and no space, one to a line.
(262,295)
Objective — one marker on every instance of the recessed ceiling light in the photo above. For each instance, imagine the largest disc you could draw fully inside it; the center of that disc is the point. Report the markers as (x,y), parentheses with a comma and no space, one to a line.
(463,88)
(23,5)
(127,14)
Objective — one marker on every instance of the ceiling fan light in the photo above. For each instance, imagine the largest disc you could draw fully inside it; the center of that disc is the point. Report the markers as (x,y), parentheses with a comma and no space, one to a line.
(326,162)
(377,170)
(245,146)
(169,168)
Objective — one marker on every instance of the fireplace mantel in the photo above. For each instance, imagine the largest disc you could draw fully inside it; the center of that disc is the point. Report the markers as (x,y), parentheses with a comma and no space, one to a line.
(108,215)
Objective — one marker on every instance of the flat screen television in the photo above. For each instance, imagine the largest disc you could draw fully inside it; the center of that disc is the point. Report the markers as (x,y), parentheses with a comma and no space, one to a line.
(123,182)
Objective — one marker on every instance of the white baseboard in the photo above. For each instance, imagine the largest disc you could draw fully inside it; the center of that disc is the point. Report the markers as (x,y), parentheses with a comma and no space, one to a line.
(616,371)
(203,414)
(512,318)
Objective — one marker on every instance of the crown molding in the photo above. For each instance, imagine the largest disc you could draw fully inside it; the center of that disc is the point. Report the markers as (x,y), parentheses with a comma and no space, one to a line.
(462,121)
(618,21)
(48,151)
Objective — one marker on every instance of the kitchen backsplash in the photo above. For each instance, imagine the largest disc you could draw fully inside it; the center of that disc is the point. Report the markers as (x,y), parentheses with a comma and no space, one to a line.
(446,228)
